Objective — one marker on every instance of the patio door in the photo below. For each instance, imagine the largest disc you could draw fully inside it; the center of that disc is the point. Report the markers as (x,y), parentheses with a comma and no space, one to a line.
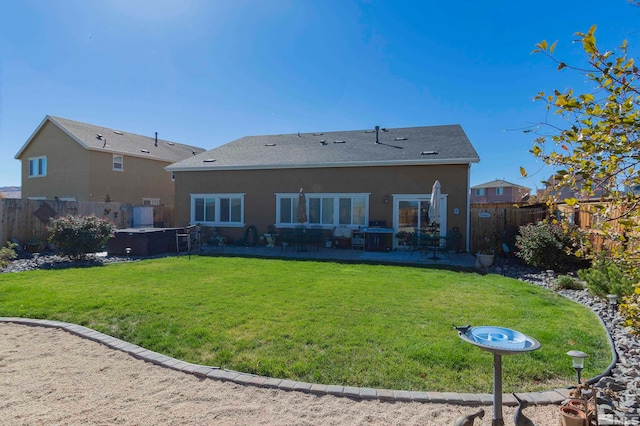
(411,213)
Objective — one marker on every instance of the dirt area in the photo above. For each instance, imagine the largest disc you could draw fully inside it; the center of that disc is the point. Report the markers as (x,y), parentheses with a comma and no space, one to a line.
(49,376)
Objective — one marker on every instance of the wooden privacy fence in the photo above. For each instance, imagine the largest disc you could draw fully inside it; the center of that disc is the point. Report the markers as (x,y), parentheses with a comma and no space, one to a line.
(26,220)
(588,216)
(492,225)
(499,223)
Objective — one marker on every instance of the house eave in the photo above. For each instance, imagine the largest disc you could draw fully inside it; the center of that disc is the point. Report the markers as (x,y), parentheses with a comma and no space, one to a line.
(175,168)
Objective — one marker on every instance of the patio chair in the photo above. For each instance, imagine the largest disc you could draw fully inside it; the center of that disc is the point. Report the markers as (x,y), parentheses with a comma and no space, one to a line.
(341,237)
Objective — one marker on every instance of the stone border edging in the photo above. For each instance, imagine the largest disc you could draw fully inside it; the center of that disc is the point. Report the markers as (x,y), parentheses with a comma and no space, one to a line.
(548,397)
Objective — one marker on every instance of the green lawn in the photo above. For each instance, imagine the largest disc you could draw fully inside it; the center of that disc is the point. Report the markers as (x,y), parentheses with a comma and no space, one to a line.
(331,323)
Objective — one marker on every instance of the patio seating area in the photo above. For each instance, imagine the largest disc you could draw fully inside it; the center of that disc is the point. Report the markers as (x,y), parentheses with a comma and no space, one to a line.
(319,252)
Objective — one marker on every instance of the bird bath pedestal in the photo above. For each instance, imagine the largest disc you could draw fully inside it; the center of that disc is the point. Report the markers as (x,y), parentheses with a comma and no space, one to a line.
(499,341)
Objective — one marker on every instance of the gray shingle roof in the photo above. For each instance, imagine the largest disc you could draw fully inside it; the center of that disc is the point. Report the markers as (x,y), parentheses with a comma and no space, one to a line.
(446,144)
(99,138)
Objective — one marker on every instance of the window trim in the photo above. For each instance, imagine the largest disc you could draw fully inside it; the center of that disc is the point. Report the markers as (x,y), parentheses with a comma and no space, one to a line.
(336,209)
(479,192)
(38,161)
(121,162)
(500,190)
(216,221)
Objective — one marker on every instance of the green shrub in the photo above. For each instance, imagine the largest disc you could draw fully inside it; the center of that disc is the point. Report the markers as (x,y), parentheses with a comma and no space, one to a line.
(606,278)
(77,236)
(550,245)
(567,283)
(7,254)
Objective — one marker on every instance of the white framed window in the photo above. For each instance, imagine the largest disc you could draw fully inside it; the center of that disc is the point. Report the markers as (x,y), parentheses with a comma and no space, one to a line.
(325,210)
(500,191)
(151,201)
(479,192)
(118,163)
(38,166)
(217,209)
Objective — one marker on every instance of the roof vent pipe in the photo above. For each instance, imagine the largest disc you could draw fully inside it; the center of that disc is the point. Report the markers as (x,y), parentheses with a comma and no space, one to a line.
(156,144)
(377,130)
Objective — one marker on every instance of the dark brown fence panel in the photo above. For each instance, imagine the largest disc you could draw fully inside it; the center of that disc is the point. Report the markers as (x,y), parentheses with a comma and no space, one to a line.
(491,225)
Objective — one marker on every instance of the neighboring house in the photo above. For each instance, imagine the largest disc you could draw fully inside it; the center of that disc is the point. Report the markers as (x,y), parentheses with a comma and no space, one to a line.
(635,189)
(580,192)
(69,160)
(499,191)
(350,179)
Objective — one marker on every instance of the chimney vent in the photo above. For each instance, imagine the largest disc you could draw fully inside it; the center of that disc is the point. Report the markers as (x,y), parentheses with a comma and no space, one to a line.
(377,131)
(156,144)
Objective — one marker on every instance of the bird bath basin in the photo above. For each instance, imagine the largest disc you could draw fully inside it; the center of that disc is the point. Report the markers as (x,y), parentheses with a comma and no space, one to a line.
(499,341)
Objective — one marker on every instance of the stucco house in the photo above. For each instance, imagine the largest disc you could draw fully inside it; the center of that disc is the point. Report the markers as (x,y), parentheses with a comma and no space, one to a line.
(351,179)
(580,191)
(499,191)
(70,160)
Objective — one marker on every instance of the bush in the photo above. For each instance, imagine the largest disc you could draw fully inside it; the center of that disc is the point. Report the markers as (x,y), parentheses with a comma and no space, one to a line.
(77,236)
(567,283)
(606,278)
(550,245)
(630,310)
(7,254)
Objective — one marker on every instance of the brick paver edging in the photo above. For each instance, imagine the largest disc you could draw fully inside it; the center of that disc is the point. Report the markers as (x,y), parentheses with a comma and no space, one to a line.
(539,398)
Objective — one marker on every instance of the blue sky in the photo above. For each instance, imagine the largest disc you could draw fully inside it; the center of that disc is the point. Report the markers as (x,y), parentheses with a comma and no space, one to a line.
(209,72)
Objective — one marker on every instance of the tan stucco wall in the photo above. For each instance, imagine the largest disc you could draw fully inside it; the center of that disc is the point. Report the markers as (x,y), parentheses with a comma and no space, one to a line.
(140,178)
(67,167)
(73,171)
(260,187)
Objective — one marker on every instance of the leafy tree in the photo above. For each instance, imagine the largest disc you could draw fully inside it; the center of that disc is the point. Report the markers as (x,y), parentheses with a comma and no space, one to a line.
(593,140)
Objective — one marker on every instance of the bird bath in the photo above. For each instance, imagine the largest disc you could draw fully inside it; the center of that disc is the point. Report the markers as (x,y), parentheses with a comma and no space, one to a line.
(499,341)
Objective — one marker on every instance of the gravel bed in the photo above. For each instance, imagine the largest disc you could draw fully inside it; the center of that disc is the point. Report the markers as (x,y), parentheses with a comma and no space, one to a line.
(619,389)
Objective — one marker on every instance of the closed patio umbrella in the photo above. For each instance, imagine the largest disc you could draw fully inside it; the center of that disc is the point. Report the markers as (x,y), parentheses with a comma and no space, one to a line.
(434,214)
(301,213)
(434,205)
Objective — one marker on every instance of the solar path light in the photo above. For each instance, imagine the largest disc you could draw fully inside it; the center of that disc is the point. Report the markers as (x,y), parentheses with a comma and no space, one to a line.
(613,301)
(578,361)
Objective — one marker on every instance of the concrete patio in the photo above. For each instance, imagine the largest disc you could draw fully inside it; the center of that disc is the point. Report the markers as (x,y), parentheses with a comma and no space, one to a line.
(406,257)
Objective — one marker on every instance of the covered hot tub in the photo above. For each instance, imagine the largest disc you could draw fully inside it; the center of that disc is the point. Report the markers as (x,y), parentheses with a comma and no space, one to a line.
(143,241)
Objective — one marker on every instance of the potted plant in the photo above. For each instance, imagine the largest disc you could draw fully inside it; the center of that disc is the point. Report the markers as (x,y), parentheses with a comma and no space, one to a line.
(571,416)
(486,253)
(404,238)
